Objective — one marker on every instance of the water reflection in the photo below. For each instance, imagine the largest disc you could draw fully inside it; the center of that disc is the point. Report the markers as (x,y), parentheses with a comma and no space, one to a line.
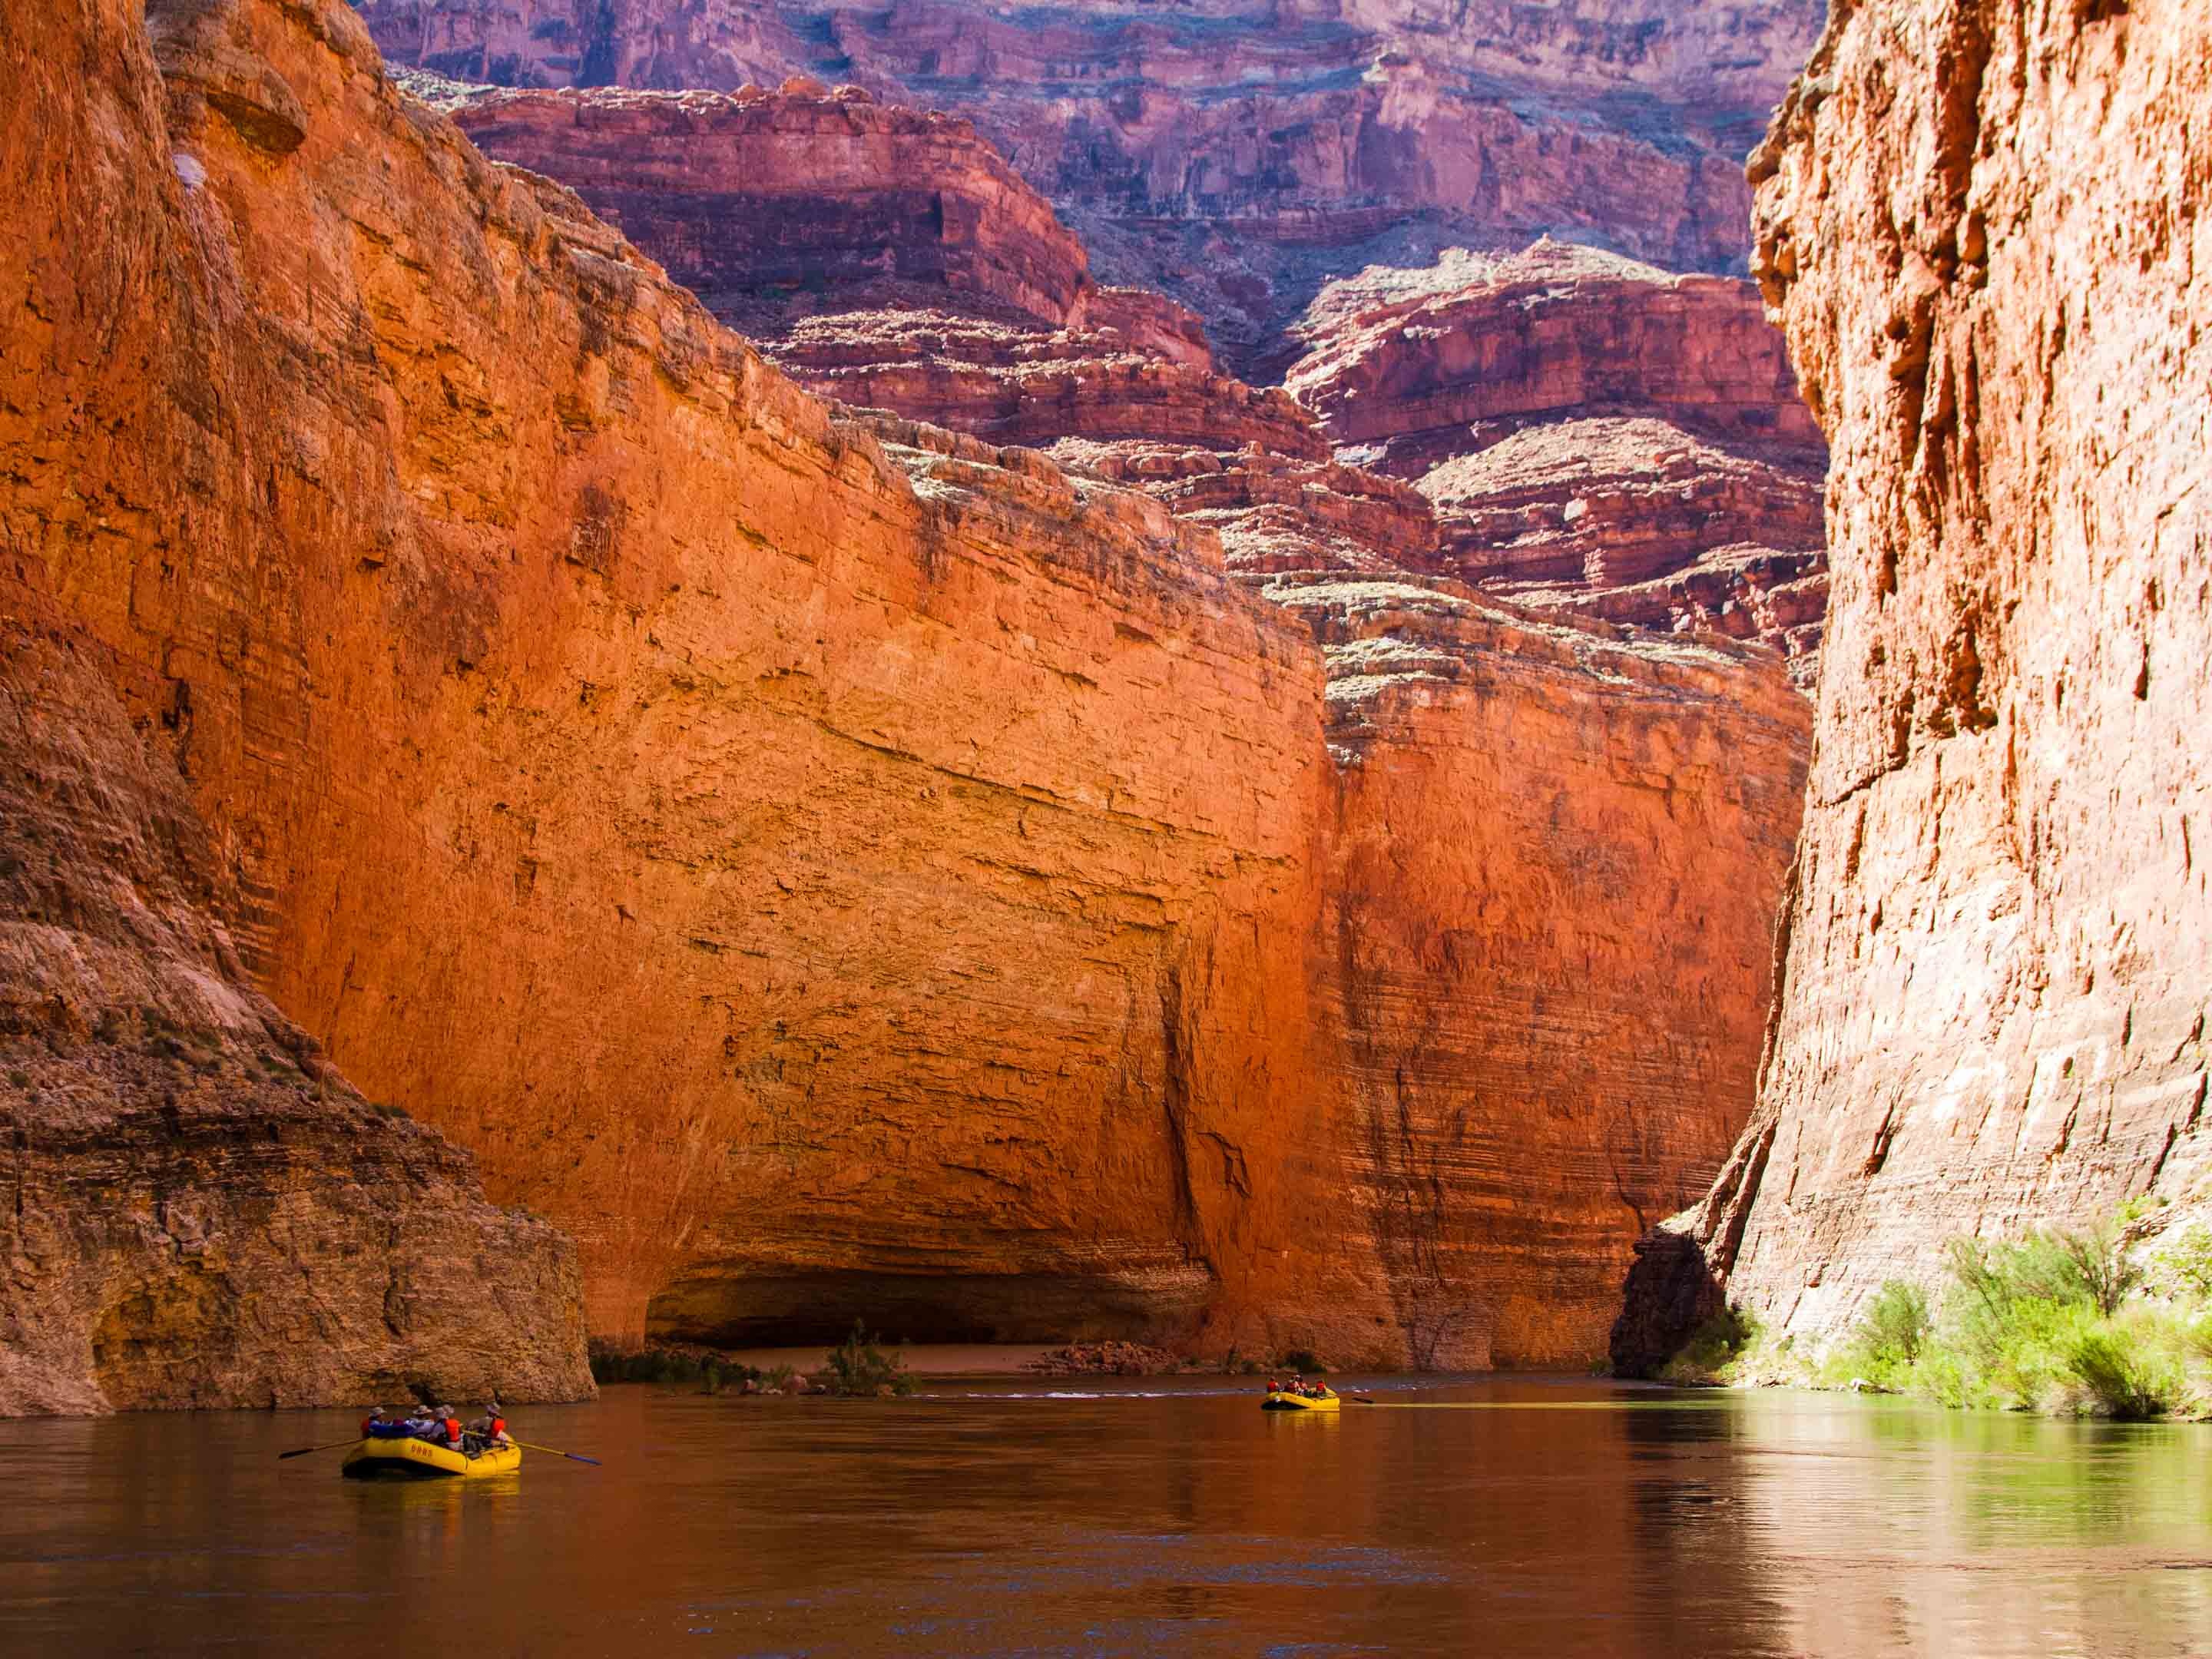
(1558,1519)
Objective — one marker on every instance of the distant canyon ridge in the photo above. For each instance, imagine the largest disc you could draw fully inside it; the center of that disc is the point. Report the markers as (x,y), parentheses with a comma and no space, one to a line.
(1235,156)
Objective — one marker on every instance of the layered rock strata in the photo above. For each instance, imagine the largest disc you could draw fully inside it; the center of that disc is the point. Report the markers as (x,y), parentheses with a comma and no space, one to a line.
(1983,226)
(833,865)
(1547,981)
(1595,435)
(887,257)
(1655,465)
(201,1211)
(1237,153)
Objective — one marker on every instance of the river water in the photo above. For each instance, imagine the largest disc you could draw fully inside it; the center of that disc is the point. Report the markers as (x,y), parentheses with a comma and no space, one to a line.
(1550,1519)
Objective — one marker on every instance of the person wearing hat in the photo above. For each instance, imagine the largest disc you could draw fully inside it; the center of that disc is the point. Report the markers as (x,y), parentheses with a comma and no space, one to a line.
(491,1427)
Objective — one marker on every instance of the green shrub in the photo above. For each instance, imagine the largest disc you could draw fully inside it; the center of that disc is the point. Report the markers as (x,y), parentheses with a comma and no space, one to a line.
(1887,1342)
(2126,1381)
(857,1367)
(1897,1322)
(1712,1347)
(646,1364)
(2184,1268)
(2051,1322)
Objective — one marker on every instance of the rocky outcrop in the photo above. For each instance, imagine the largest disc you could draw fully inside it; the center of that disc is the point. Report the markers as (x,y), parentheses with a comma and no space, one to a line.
(1983,226)
(886,257)
(201,1211)
(831,864)
(1597,435)
(756,195)
(1237,153)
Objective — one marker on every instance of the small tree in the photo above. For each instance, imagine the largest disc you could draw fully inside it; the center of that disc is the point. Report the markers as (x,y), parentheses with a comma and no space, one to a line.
(857,1366)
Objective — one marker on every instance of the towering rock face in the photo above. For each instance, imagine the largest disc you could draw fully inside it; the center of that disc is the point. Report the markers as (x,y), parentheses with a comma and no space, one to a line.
(1984,224)
(203,1212)
(1596,435)
(1237,153)
(1541,826)
(833,865)
(768,848)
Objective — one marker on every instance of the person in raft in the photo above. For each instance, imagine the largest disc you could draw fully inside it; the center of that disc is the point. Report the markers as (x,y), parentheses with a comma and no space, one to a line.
(490,1428)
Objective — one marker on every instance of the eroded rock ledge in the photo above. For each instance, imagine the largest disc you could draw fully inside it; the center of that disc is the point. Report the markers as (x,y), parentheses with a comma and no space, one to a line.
(1596,435)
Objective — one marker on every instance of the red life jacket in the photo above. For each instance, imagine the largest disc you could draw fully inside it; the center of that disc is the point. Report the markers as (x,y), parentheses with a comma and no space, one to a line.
(366,1423)
(498,1426)
(453,1431)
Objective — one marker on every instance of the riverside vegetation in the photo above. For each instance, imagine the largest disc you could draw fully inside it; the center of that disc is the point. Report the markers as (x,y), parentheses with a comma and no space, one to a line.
(856,1368)
(2094,1322)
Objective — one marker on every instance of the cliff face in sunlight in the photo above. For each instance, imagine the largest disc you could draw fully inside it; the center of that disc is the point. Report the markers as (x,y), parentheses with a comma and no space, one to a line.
(1983,226)
(203,1212)
(829,864)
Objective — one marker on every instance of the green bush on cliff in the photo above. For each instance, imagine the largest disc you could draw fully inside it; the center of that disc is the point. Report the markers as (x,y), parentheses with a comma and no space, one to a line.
(2060,1320)
(1713,1348)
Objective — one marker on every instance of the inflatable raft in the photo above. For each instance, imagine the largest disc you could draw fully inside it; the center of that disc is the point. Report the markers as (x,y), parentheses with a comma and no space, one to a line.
(1327,1400)
(418,1460)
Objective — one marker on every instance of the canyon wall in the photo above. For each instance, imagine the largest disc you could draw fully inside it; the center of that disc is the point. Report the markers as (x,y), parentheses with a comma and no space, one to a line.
(1591,435)
(1982,225)
(1237,153)
(202,1212)
(717,819)
(1548,981)
(831,865)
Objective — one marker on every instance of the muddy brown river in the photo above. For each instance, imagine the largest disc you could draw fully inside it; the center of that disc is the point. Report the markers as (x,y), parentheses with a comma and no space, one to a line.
(1555,1520)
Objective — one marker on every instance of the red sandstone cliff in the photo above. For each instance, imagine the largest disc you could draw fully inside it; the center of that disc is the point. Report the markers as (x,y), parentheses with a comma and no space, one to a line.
(202,1211)
(833,865)
(887,257)
(1236,153)
(1596,435)
(1546,978)
(1984,225)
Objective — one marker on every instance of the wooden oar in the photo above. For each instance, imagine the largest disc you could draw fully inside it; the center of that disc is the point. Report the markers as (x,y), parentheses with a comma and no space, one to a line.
(304,1450)
(573,1457)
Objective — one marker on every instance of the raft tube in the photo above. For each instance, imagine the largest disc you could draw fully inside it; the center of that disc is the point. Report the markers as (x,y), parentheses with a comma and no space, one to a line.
(1329,1401)
(418,1460)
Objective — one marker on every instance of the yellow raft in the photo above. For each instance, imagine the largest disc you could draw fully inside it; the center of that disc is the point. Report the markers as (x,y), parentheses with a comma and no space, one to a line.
(1327,1402)
(418,1460)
